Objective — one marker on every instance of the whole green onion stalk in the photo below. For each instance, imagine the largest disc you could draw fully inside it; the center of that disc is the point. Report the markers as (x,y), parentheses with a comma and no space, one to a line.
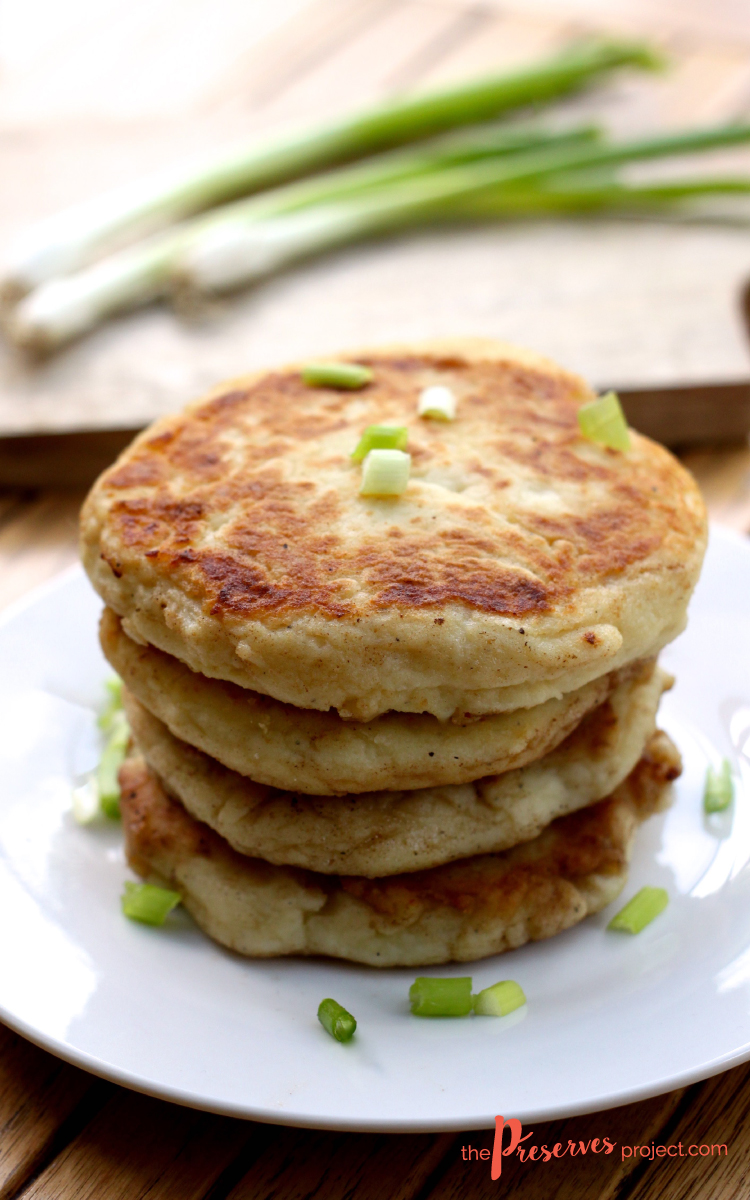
(65,308)
(67,241)
(243,243)
(566,196)
(489,140)
(235,252)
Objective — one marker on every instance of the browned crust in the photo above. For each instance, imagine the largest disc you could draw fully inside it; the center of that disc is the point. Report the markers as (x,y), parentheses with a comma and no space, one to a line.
(154,826)
(592,842)
(168,689)
(283,548)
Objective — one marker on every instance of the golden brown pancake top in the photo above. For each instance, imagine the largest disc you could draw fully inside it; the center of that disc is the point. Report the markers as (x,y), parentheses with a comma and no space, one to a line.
(284,545)
(234,536)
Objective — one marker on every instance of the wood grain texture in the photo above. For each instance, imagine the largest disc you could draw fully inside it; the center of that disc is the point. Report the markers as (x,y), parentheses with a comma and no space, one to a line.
(586,1176)
(723,19)
(303,1165)
(369,65)
(718,1117)
(501,40)
(681,416)
(137,1148)
(38,1096)
(723,474)
(64,460)
(299,47)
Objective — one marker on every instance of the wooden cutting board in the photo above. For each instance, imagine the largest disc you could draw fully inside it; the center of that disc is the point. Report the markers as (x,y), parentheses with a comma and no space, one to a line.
(652,308)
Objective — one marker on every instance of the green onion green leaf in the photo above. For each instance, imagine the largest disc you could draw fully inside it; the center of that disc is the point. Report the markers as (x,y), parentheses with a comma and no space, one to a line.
(499,1000)
(641,910)
(381,437)
(113,704)
(440,997)
(718,792)
(149,904)
(61,244)
(336,1020)
(468,175)
(349,376)
(437,402)
(603,421)
(113,756)
(385,473)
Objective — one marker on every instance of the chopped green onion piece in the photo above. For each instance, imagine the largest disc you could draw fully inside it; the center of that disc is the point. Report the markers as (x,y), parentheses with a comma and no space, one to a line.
(147,903)
(336,1020)
(86,804)
(336,375)
(641,910)
(604,421)
(718,792)
(499,1000)
(113,704)
(385,473)
(112,759)
(440,997)
(437,402)
(381,437)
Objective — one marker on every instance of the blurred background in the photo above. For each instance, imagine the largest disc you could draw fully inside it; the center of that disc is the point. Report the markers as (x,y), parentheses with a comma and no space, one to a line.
(97,94)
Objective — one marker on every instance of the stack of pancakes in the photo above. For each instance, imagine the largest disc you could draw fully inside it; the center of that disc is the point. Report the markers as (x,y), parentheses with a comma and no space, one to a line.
(400,730)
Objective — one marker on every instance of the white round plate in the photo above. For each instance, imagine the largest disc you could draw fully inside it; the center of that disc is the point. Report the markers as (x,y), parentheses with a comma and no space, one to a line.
(610,1018)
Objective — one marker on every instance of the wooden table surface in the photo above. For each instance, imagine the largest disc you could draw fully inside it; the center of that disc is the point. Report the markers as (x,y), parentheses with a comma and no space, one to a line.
(65,1135)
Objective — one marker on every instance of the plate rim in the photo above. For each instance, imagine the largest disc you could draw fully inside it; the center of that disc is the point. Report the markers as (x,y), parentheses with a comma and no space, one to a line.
(267,1116)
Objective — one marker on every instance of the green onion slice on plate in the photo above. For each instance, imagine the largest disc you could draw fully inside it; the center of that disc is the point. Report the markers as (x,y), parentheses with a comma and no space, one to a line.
(147,903)
(336,1020)
(499,1000)
(430,997)
(641,910)
(113,756)
(113,704)
(718,791)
